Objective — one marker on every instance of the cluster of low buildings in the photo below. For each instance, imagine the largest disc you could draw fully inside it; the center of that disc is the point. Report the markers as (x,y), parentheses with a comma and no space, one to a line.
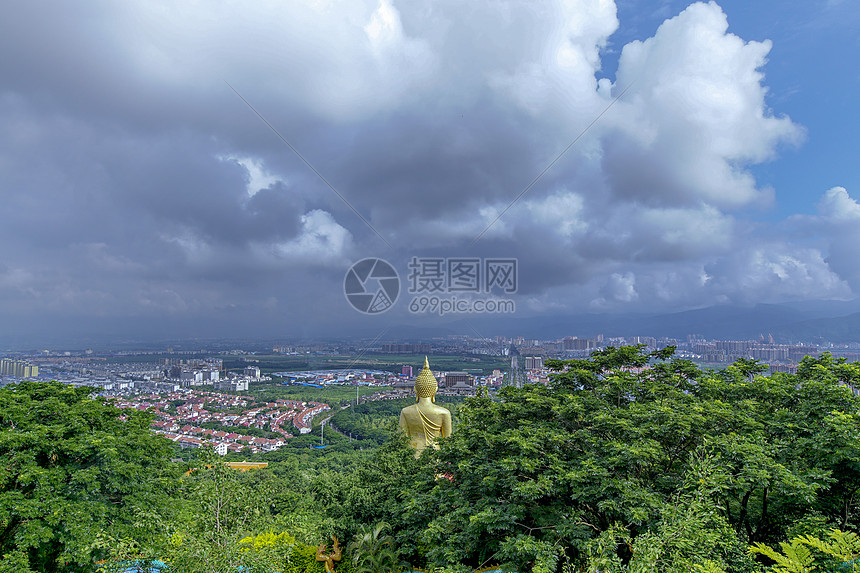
(527,358)
(451,383)
(338,376)
(129,378)
(778,357)
(203,372)
(221,442)
(185,425)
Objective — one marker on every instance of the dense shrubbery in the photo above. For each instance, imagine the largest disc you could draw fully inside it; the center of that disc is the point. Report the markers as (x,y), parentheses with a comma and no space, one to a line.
(612,456)
(374,421)
(377,421)
(612,467)
(76,476)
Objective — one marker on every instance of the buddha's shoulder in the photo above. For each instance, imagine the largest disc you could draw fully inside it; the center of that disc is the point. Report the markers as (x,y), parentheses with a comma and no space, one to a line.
(440,410)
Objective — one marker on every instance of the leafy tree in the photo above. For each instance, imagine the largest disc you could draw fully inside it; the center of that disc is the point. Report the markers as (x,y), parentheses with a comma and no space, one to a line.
(372,422)
(839,551)
(270,551)
(789,445)
(378,489)
(374,552)
(614,445)
(691,535)
(75,472)
(220,510)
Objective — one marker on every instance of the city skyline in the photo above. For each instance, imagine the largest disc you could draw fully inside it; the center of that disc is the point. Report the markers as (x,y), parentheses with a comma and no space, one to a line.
(214,171)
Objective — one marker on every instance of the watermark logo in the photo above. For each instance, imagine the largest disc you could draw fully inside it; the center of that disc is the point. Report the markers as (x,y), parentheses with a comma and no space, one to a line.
(371,286)
(455,305)
(429,275)
(439,285)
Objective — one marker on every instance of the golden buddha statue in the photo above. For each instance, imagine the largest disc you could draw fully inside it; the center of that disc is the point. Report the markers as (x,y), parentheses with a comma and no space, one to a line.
(424,422)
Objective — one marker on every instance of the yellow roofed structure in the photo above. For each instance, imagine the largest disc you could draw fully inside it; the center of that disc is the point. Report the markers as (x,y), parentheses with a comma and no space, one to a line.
(245,466)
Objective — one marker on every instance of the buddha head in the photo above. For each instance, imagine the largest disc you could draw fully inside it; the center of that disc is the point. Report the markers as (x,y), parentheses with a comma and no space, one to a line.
(425,383)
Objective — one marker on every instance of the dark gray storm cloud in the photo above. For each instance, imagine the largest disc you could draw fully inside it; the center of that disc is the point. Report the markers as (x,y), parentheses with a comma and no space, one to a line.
(136,183)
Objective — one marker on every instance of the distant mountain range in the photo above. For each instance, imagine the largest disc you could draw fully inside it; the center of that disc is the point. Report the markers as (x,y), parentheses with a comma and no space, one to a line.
(809,321)
(839,329)
(788,323)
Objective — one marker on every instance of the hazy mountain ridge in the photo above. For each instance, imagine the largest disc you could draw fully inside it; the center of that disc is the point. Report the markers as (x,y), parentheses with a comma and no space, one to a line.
(814,321)
(784,322)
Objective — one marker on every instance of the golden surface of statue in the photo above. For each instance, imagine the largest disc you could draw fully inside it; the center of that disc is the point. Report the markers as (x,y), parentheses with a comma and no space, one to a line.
(425,422)
(329,559)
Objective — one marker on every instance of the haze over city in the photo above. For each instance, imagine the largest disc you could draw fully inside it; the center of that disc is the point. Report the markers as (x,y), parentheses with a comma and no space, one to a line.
(214,170)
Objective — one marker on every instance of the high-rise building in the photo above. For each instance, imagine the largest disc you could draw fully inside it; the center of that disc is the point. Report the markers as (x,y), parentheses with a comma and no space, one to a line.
(18,368)
(516,377)
(231,384)
(406,372)
(797,353)
(646,340)
(192,378)
(578,343)
(733,345)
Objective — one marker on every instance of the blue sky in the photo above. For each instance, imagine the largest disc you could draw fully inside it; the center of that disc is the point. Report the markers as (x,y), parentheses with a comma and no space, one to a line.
(812,75)
(144,197)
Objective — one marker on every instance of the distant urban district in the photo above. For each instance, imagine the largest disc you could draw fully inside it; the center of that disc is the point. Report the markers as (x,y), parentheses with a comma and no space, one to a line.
(201,396)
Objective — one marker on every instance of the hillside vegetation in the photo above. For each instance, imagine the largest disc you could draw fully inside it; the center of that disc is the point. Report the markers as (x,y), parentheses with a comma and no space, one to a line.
(626,462)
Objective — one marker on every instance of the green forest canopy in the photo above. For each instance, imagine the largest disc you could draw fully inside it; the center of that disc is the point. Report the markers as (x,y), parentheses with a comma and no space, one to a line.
(627,461)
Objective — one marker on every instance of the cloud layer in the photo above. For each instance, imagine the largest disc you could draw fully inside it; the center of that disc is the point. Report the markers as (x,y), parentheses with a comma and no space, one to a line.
(137,184)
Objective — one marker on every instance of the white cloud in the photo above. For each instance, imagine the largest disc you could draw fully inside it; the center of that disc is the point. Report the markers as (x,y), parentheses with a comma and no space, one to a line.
(562,212)
(648,234)
(695,115)
(258,177)
(560,78)
(430,118)
(775,272)
(838,223)
(618,288)
(837,206)
(321,242)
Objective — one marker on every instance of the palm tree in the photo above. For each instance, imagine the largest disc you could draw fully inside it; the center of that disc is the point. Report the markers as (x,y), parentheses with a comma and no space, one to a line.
(373,552)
